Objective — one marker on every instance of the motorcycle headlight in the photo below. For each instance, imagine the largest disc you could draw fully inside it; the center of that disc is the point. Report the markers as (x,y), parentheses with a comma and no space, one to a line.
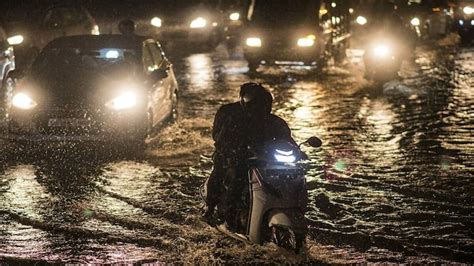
(15,40)
(381,50)
(156,22)
(307,41)
(234,16)
(253,42)
(125,100)
(468,10)
(415,22)
(198,23)
(361,20)
(284,156)
(23,101)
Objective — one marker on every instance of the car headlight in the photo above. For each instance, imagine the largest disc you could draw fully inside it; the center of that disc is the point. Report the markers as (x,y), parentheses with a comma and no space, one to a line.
(468,10)
(306,41)
(156,22)
(381,50)
(23,101)
(415,22)
(198,23)
(234,16)
(125,100)
(95,30)
(361,20)
(15,40)
(254,42)
(284,156)
(461,22)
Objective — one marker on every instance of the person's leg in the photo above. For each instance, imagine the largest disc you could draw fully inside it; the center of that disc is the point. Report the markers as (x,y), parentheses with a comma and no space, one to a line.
(214,185)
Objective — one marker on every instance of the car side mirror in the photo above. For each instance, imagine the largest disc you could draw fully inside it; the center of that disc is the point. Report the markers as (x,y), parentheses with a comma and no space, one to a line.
(314,142)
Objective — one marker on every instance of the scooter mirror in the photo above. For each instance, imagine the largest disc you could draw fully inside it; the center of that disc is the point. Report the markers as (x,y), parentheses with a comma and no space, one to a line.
(314,142)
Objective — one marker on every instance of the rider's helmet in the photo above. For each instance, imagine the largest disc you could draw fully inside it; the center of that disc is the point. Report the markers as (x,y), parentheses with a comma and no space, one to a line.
(255,99)
(127,27)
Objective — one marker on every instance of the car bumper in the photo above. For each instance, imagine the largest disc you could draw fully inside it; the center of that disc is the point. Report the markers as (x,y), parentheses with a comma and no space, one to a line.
(120,128)
(282,55)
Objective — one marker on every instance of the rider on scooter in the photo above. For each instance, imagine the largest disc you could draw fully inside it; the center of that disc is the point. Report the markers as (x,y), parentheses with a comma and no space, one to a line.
(238,126)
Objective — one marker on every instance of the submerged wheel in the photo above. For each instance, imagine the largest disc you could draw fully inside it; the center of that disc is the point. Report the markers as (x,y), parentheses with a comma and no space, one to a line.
(286,238)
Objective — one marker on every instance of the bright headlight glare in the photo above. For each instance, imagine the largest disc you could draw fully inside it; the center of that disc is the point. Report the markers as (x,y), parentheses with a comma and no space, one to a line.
(125,100)
(381,50)
(254,42)
(23,101)
(461,22)
(361,20)
(234,16)
(15,40)
(95,30)
(306,41)
(156,22)
(198,23)
(415,22)
(284,156)
(468,10)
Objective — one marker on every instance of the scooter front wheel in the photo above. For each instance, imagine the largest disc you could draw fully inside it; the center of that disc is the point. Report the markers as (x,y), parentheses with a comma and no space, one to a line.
(286,238)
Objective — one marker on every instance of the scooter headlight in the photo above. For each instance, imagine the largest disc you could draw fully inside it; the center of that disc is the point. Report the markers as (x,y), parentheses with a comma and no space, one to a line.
(23,101)
(15,40)
(415,22)
(156,22)
(254,42)
(198,23)
(126,100)
(381,50)
(361,20)
(284,156)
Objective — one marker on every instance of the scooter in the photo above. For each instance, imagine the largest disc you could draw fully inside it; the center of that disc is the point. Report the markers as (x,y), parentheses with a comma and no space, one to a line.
(276,197)
(382,60)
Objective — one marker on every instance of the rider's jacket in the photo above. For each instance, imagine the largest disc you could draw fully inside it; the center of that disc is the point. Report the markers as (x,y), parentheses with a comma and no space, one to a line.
(234,131)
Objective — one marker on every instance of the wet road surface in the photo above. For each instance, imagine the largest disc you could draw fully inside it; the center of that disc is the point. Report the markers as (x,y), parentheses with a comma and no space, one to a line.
(393,181)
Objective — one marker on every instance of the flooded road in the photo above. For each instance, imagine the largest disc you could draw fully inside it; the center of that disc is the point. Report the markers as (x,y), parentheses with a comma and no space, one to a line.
(392,182)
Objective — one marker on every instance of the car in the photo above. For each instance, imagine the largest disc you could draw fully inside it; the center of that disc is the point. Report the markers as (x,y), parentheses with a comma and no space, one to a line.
(429,19)
(7,63)
(30,28)
(191,23)
(295,32)
(105,89)
(465,21)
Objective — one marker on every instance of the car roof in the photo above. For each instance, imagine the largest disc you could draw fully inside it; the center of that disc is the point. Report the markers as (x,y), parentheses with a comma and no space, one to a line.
(98,42)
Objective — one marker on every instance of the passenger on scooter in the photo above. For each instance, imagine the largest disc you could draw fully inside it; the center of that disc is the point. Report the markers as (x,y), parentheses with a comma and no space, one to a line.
(238,126)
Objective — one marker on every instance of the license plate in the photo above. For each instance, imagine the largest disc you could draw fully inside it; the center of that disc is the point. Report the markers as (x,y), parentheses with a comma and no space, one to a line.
(67,123)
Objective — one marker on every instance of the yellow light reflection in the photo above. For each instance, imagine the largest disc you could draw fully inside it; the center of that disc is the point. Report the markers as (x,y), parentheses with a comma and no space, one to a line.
(200,71)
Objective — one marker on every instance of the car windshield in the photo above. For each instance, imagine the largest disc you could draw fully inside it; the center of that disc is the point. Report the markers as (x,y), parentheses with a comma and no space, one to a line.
(281,12)
(87,64)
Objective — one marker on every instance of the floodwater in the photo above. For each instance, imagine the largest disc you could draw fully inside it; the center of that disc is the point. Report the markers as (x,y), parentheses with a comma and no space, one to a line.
(392,182)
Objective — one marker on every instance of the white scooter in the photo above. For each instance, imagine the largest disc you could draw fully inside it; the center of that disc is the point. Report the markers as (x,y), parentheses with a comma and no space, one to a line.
(276,197)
